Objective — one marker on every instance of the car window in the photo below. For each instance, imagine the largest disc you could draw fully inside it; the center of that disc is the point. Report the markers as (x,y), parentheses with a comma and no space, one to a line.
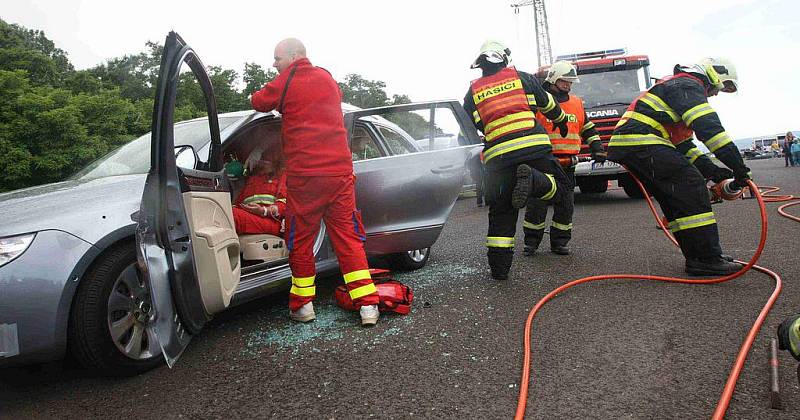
(397,144)
(134,157)
(362,145)
(446,132)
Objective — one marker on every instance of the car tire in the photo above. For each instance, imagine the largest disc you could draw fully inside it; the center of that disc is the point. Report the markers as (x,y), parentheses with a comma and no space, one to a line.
(411,260)
(90,338)
(630,187)
(592,185)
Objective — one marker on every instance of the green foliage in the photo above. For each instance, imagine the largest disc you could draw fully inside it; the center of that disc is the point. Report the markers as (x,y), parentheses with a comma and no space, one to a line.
(363,93)
(255,77)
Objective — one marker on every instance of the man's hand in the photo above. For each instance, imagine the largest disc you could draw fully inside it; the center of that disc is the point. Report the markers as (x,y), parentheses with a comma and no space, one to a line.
(274,211)
(253,208)
(598,153)
(563,130)
(740,179)
(789,335)
(721,174)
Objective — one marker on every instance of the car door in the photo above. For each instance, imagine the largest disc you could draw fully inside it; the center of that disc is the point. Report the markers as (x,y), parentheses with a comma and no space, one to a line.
(405,199)
(187,245)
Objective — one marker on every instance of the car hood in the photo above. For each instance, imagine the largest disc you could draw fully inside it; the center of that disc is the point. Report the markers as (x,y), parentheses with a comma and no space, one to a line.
(87,209)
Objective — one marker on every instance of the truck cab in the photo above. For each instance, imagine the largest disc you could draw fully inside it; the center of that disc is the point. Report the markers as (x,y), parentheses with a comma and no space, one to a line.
(609,81)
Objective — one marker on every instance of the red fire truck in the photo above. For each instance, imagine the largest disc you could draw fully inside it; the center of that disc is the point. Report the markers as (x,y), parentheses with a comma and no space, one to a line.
(609,81)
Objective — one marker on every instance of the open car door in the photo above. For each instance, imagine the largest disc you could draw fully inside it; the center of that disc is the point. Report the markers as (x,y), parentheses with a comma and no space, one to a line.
(187,246)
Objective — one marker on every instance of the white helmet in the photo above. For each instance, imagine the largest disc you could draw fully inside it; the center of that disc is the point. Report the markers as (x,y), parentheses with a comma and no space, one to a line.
(494,51)
(721,73)
(563,70)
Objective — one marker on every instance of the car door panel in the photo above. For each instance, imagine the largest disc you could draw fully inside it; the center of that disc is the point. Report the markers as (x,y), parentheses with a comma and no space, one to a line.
(187,246)
(406,199)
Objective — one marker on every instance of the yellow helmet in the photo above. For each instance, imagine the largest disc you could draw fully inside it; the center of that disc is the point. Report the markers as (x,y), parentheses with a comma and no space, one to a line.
(563,70)
(494,51)
(721,73)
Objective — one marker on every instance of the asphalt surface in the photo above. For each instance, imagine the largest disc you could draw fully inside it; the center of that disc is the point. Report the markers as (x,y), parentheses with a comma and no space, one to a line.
(619,349)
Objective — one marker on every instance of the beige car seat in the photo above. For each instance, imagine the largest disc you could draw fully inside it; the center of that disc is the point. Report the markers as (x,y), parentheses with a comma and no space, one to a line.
(263,247)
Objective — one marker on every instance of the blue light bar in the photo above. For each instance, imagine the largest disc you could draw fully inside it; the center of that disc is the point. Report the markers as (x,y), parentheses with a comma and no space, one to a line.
(593,54)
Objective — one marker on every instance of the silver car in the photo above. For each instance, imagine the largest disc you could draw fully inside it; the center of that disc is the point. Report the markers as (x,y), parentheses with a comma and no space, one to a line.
(123,263)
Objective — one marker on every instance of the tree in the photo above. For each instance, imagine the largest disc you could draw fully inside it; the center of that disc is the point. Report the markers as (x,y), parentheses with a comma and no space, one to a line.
(362,92)
(255,77)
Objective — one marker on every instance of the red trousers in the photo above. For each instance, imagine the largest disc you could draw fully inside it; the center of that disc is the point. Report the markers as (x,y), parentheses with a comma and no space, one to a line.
(248,223)
(332,199)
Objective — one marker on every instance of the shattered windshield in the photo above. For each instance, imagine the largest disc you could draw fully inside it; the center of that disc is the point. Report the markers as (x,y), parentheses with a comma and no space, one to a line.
(609,88)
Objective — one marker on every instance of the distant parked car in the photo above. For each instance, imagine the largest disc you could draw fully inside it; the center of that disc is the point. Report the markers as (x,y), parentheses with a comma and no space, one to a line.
(124,262)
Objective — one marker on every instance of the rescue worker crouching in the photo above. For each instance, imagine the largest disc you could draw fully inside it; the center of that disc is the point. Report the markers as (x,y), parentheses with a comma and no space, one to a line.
(558,82)
(517,153)
(653,141)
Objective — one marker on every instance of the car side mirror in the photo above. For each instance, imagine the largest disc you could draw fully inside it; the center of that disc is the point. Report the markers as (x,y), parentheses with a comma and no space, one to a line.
(185,156)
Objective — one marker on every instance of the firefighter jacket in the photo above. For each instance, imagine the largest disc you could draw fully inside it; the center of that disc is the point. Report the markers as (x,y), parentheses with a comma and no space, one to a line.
(265,191)
(668,112)
(503,107)
(313,133)
(578,124)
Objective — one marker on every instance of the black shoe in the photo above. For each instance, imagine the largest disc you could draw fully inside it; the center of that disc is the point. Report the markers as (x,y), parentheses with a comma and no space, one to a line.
(560,250)
(711,267)
(499,276)
(529,250)
(519,197)
(726,257)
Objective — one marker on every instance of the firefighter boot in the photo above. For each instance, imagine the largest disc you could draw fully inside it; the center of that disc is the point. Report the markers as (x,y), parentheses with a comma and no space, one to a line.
(714,266)
(500,263)
(789,335)
(559,249)
(304,314)
(531,182)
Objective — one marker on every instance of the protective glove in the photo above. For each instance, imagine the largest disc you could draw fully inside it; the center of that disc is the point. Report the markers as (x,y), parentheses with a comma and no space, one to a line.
(789,335)
(740,178)
(563,130)
(598,154)
(720,174)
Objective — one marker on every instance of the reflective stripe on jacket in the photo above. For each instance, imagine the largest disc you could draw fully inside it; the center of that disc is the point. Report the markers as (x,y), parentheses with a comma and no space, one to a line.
(571,145)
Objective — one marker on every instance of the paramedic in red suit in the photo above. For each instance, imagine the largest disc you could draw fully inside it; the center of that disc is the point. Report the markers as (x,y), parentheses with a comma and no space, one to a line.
(261,205)
(319,179)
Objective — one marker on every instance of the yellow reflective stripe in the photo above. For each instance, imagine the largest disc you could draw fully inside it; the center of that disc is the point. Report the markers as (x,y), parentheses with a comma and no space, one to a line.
(638,140)
(592,139)
(560,226)
(693,154)
(529,225)
(551,103)
(303,281)
(356,275)
(587,126)
(570,136)
(561,117)
(303,291)
(476,116)
(500,89)
(280,200)
(509,118)
(714,143)
(493,134)
(531,100)
(499,242)
(658,104)
(696,112)
(516,144)
(553,188)
(260,199)
(690,222)
(362,291)
(566,147)
(644,119)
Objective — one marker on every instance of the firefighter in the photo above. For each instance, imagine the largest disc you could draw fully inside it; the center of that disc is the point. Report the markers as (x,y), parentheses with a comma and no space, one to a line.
(652,139)
(558,82)
(319,180)
(517,154)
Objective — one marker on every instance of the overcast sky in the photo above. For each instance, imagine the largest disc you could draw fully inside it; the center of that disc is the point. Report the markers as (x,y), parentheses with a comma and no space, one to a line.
(424,48)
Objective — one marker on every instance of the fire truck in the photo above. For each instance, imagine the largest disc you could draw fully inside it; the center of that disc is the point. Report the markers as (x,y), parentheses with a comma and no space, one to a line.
(609,81)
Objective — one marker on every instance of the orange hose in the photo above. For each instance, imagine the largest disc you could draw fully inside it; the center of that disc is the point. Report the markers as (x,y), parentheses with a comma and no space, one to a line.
(730,384)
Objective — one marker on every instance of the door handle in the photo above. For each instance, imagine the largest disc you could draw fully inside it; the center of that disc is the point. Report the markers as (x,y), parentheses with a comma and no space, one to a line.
(445,169)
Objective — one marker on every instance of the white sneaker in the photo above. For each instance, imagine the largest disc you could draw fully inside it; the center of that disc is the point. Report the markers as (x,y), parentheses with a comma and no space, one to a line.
(369,315)
(304,314)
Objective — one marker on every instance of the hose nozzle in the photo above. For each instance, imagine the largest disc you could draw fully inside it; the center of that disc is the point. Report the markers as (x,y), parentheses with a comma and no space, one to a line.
(725,190)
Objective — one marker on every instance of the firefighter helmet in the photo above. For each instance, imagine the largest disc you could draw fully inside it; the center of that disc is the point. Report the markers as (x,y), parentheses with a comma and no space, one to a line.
(721,73)
(563,70)
(494,51)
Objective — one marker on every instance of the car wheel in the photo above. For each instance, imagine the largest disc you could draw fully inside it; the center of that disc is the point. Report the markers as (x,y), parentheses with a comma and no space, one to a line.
(412,260)
(592,185)
(110,327)
(629,185)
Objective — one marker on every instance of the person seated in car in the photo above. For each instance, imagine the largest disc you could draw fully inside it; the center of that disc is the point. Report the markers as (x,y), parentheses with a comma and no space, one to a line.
(260,207)
(360,148)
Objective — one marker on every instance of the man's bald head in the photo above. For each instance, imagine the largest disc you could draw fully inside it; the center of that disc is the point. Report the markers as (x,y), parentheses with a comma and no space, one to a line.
(287,52)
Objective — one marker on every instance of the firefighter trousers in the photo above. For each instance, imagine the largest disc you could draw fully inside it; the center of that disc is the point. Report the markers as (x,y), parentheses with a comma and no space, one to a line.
(561,224)
(681,192)
(310,200)
(549,183)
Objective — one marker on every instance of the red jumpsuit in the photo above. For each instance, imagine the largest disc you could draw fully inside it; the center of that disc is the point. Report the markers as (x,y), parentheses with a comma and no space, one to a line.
(265,191)
(319,180)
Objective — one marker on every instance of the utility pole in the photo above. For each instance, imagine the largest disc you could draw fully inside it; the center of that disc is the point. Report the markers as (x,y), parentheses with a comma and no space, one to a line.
(545,54)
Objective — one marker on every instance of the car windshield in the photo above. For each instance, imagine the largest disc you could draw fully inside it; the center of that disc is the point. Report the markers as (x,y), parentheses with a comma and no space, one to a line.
(134,157)
(608,88)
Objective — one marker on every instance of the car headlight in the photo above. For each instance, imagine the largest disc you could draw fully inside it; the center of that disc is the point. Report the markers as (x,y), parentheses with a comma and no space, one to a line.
(13,246)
